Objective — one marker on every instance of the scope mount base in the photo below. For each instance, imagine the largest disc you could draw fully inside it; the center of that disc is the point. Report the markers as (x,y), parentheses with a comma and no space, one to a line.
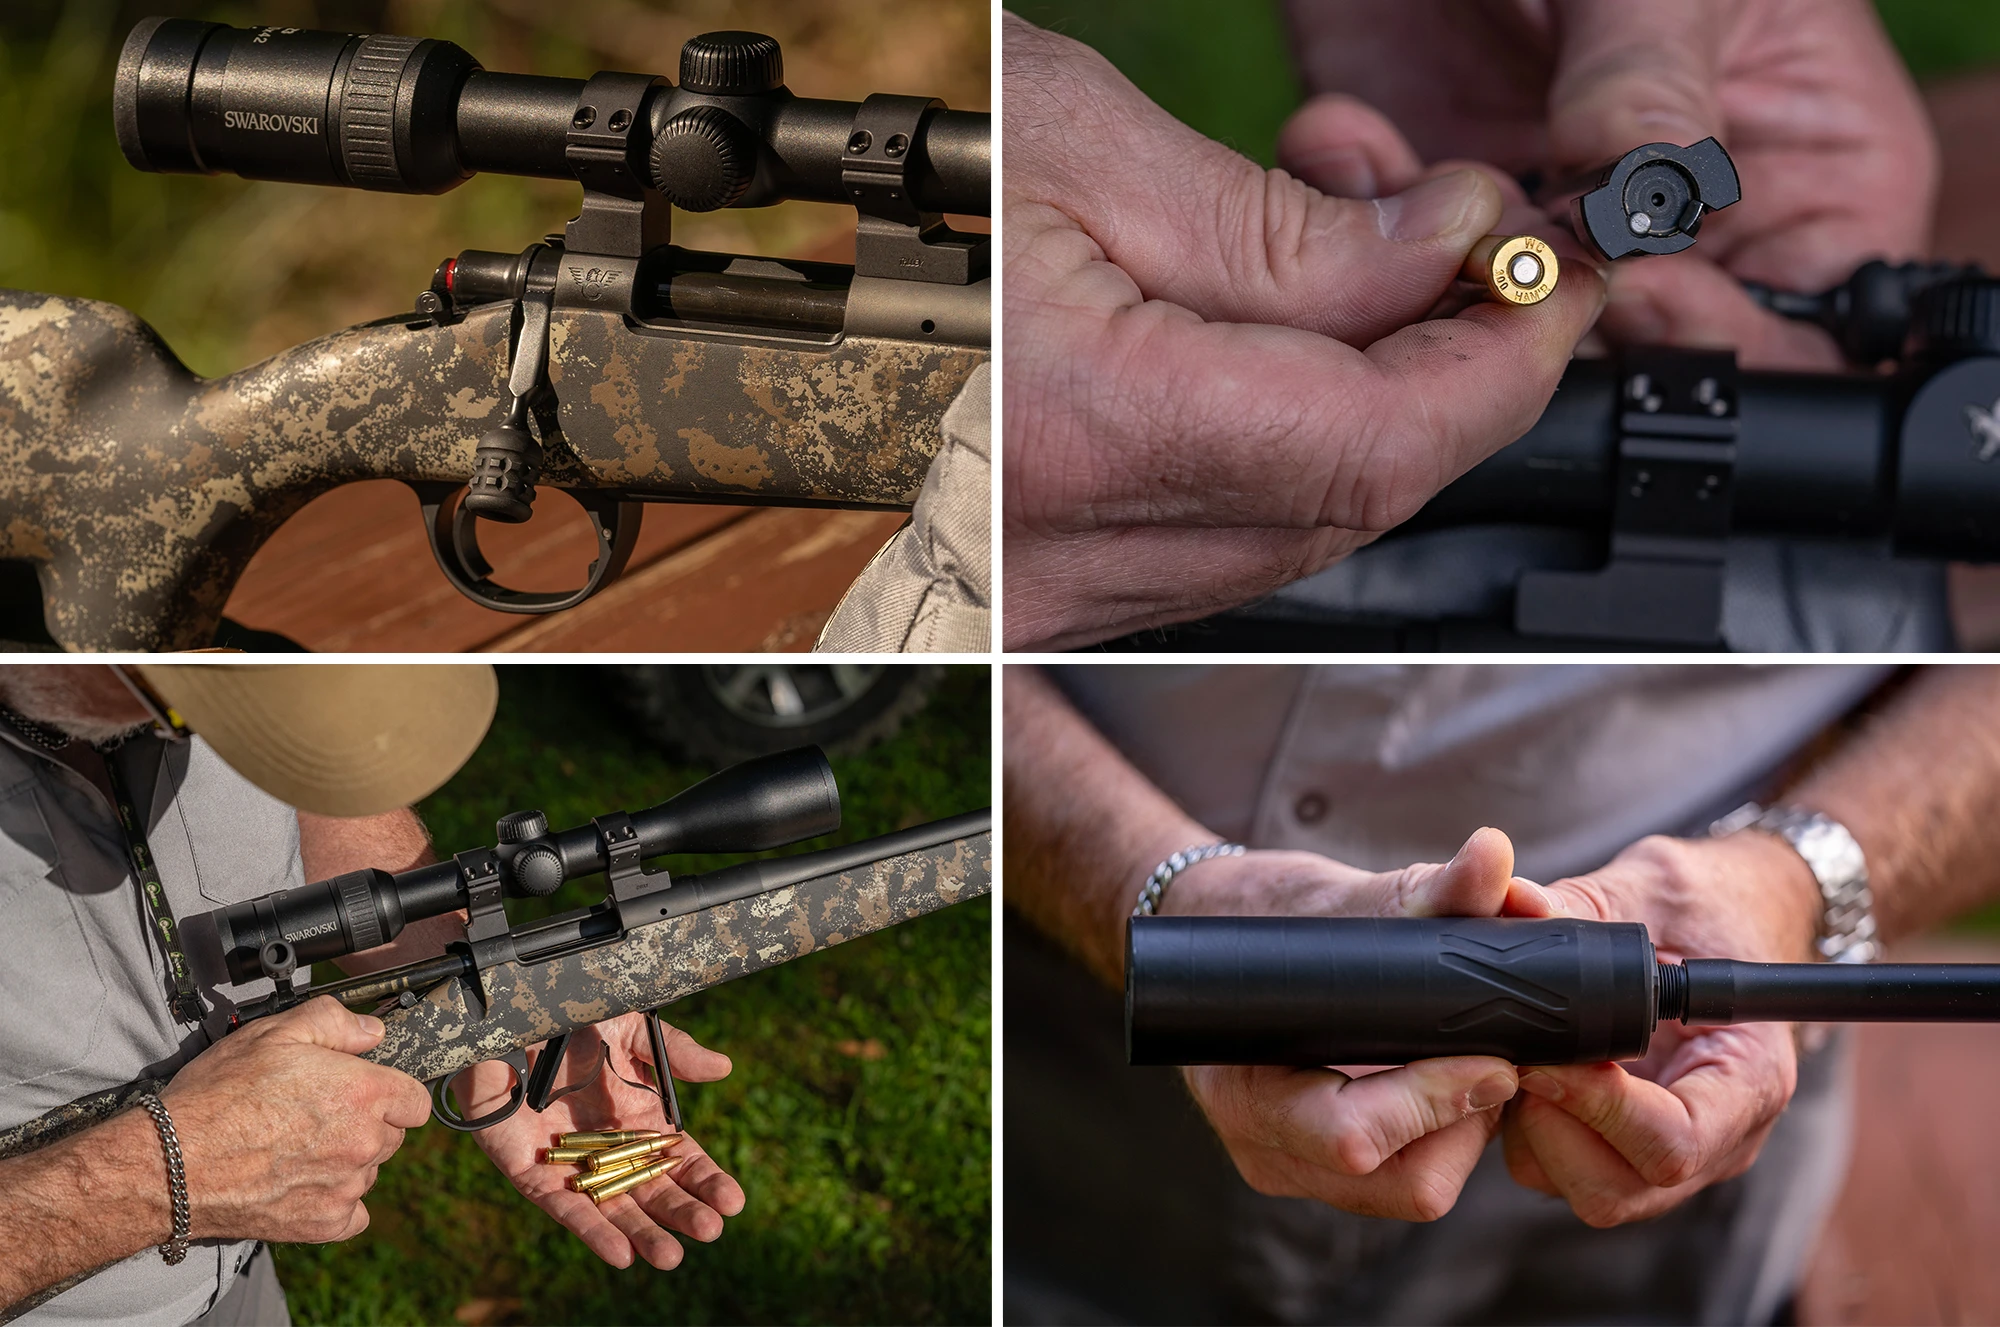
(1674,477)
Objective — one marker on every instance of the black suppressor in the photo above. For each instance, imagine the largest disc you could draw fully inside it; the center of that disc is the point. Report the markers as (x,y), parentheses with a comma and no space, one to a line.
(1338,990)
(763,803)
(410,115)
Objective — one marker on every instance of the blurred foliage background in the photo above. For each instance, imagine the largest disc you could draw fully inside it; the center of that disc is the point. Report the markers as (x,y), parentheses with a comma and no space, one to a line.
(857,1117)
(1234,79)
(230,272)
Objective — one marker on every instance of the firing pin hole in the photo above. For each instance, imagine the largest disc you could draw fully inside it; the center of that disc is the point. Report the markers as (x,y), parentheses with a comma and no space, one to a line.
(928,326)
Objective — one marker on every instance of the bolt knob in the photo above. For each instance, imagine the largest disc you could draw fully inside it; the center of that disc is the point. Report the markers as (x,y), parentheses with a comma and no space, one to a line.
(732,64)
(520,826)
(1957,318)
(702,159)
(537,870)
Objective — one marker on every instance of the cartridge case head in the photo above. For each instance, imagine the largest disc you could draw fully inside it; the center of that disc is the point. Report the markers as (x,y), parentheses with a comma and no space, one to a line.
(1517,269)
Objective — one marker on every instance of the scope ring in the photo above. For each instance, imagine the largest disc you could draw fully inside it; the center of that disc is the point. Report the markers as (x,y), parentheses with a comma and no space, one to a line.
(447,1114)
(454,540)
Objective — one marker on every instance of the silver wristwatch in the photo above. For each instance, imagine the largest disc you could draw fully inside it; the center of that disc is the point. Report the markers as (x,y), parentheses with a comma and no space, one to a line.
(1847,907)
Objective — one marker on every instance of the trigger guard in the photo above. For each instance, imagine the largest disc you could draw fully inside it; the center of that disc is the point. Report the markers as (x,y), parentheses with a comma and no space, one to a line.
(454,539)
(447,1114)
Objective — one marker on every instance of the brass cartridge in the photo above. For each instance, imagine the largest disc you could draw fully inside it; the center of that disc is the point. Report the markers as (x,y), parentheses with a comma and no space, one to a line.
(645,1147)
(632,1179)
(590,1179)
(1517,269)
(607,1137)
(556,1156)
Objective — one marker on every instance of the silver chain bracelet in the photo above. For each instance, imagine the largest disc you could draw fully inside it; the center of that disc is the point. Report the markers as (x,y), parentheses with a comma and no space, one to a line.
(176,1247)
(1156,884)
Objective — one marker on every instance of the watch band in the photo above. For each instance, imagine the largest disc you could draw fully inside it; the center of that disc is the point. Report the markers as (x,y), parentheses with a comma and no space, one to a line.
(1847,905)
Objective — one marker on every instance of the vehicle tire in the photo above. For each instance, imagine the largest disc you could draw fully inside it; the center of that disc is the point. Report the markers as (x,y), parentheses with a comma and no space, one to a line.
(719,714)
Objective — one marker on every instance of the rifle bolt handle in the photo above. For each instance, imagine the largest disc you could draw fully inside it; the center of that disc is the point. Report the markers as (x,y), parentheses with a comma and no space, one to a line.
(504,470)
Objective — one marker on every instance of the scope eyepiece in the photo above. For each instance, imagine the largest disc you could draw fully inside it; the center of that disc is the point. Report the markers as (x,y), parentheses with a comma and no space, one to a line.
(1653,199)
(370,111)
(328,918)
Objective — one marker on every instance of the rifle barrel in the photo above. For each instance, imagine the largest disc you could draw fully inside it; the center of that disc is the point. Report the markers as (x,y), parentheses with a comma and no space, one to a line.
(1723,991)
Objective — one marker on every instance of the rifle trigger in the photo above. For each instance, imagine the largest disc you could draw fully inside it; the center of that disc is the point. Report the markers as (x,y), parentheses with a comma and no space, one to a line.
(547,1065)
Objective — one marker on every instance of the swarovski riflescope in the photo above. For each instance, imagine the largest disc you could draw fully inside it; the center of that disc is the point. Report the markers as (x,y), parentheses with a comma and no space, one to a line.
(763,803)
(410,115)
(1341,990)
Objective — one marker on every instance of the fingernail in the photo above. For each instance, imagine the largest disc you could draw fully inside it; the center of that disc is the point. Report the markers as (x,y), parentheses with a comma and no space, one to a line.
(1553,899)
(1537,1083)
(1435,207)
(1342,171)
(1491,1091)
(372,1025)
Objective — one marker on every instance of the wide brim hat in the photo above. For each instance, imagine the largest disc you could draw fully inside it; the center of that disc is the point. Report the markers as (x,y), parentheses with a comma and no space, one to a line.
(334,739)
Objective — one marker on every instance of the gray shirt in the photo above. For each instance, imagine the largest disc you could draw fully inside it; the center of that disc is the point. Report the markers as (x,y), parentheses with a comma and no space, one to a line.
(85,983)
(1381,765)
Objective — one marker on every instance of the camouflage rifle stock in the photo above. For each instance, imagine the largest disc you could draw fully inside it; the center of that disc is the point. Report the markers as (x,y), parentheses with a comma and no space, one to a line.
(606,361)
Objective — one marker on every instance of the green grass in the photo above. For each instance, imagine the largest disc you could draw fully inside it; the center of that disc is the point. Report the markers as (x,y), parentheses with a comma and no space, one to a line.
(868,1178)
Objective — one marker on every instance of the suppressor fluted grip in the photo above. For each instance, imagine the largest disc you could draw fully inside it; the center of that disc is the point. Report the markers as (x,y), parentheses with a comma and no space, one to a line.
(1342,990)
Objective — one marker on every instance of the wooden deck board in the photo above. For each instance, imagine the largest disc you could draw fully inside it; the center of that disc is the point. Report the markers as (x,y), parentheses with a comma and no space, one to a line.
(768,582)
(353,571)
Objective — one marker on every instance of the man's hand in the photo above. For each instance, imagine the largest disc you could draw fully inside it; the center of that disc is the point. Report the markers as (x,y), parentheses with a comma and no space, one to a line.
(1836,156)
(1623,1145)
(1395,1143)
(282,1128)
(1219,379)
(693,1198)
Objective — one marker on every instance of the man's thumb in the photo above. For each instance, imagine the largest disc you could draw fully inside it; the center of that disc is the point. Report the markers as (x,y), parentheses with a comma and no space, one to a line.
(1628,74)
(1472,884)
(325,1021)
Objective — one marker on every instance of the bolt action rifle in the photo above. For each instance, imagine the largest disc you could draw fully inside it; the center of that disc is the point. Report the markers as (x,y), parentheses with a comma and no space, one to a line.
(604,361)
(652,940)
